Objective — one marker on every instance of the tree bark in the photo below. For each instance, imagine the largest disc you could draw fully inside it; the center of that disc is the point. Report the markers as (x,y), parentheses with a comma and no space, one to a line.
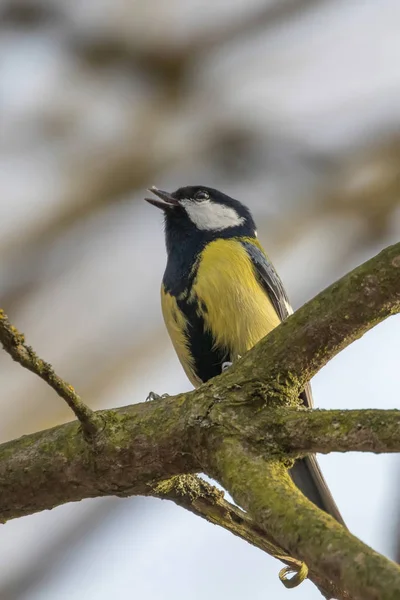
(242,428)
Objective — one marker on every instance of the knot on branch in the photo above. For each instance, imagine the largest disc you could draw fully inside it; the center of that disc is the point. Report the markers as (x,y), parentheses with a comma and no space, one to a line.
(186,486)
(282,389)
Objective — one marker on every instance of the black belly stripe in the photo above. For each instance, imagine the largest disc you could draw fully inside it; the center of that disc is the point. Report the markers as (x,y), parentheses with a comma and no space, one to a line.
(207,358)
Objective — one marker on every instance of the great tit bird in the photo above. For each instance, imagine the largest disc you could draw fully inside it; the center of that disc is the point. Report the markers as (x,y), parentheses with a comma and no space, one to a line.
(220,295)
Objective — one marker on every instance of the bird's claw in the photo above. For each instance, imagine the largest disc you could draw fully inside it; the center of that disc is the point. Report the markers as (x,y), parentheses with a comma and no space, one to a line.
(154,396)
(227,364)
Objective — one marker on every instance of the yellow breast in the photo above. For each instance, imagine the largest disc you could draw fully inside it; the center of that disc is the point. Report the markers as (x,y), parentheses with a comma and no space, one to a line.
(177,324)
(234,306)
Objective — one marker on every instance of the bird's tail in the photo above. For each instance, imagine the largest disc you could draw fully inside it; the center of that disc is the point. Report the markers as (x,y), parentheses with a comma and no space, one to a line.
(307,476)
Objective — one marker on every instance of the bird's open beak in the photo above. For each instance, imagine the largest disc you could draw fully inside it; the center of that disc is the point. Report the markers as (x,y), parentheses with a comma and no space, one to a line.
(168,201)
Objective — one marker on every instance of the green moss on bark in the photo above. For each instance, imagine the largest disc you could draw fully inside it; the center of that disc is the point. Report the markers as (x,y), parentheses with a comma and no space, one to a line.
(266,491)
(234,428)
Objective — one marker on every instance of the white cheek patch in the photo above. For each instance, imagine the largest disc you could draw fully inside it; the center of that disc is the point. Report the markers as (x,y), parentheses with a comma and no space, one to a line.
(210,216)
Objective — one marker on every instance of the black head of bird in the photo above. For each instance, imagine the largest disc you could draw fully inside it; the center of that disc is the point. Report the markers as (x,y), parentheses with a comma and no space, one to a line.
(201,214)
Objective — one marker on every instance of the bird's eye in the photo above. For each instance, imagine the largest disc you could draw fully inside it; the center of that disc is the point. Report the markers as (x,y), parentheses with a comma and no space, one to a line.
(201,195)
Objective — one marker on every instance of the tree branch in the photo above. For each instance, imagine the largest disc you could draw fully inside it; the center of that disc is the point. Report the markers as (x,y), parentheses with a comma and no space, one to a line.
(206,501)
(139,444)
(327,431)
(237,428)
(266,491)
(155,440)
(295,432)
(296,350)
(14,344)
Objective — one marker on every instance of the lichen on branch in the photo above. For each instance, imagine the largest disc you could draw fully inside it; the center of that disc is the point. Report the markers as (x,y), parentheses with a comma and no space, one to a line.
(240,428)
(266,491)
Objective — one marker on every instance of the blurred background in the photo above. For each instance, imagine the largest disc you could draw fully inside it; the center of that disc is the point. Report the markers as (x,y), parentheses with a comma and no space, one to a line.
(292,107)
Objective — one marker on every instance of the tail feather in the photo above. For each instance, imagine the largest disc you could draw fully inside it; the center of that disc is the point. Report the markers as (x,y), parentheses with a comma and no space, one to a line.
(307,476)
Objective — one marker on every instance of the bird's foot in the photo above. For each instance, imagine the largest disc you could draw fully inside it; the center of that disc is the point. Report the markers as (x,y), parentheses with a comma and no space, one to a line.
(225,366)
(154,396)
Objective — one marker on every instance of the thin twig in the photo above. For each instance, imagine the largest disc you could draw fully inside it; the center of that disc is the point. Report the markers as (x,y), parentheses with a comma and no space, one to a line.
(14,344)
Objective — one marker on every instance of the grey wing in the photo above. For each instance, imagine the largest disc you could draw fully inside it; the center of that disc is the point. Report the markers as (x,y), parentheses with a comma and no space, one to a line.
(305,473)
(270,280)
(273,285)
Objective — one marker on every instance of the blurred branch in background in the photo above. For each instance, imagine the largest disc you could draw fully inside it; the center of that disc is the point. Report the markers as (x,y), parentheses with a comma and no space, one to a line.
(365,185)
(18,586)
(122,168)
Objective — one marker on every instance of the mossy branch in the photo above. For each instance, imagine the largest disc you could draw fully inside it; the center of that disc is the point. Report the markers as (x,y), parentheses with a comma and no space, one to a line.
(155,440)
(139,444)
(266,491)
(148,442)
(239,428)
(297,432)
(208,502)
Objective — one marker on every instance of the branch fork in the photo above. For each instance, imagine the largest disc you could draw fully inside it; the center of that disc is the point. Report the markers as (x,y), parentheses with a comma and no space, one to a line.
(229,430)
